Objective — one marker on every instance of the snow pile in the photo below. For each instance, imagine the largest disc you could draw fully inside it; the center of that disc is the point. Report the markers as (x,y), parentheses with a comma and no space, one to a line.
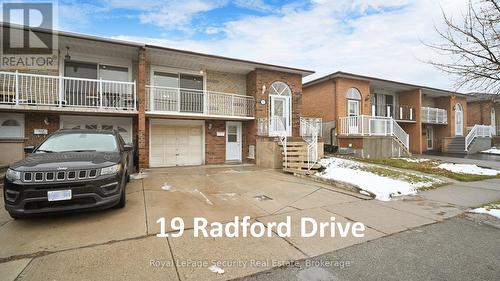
(493,150)
(384,188)
(494,211)
(468,169)
(414,160)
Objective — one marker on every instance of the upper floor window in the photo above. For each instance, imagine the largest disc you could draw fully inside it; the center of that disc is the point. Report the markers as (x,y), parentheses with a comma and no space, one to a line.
(353,94)
(95,71)
(280,88)
(11,125)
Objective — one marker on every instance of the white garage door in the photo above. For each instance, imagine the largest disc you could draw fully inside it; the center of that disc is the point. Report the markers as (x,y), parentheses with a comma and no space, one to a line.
(175,145)
(122,124)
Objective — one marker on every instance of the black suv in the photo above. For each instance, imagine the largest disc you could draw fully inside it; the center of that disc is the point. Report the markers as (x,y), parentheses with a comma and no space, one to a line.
(71,170)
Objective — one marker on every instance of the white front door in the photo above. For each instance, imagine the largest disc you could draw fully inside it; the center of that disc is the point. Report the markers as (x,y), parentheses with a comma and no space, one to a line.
(459,120)
(493,122)
(430,137)
(353,112)
(280,115)
(233,141)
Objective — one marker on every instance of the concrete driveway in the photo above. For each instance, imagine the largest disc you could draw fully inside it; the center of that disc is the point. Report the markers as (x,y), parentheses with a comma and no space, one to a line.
(121,244)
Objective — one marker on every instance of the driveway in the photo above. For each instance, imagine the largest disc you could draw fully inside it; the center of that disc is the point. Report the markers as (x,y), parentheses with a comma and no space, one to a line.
(121,244)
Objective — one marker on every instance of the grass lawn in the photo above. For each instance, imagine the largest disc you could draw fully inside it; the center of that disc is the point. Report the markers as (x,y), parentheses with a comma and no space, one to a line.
(429,167)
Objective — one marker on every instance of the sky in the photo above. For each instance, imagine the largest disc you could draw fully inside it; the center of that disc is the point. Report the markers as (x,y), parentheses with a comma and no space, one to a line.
(381,38)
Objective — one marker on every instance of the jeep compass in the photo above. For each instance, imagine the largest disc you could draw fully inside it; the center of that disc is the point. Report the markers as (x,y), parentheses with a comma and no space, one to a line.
(71,170)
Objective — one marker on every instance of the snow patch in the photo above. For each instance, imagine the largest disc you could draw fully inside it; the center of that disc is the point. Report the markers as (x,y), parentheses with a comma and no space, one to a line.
(138,176)
(468,169)
(493,150)
(489,211)
(216,269)
(384,188)
(166,187)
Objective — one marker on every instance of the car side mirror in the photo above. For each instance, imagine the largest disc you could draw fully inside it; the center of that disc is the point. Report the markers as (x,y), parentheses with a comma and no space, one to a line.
(29,149)
(128,147)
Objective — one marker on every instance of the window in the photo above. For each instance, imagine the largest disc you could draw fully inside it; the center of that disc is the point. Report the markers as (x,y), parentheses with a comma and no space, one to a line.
(80,69)
(353,94)
(113,73)
(79,141)
(11,125)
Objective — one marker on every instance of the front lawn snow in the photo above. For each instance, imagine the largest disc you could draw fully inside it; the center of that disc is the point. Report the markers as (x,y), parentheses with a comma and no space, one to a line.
(371,178)
(494,210)
(468,169)
(493,150)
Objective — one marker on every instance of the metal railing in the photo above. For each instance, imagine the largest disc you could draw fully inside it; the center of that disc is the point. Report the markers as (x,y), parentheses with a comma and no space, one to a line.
(398,112)
(363,125)
(434,115)
(477,131)
(310,130)
(178,100)
(48,90)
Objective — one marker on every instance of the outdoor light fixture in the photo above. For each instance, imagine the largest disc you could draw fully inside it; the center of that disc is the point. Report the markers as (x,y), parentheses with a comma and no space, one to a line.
(67,56)
(46,120)
(263,89)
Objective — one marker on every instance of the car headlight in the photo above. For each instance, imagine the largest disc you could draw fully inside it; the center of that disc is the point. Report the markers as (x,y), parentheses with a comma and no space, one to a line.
(12,175)
(111,169)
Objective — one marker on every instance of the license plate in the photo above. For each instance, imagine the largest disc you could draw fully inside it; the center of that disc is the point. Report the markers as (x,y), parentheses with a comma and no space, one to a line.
(59,195)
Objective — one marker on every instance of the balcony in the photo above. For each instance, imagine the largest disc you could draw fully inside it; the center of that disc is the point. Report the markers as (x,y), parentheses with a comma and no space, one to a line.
(431,115)
(189,102)
(403,113)
(34,91)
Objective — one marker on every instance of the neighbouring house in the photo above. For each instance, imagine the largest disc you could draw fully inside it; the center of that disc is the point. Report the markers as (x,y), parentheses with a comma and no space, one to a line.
(177,107)
(373,117)
(484,109)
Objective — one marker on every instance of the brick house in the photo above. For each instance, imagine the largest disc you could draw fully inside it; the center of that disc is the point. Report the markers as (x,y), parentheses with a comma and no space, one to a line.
(485,109)
(177,107)
(373,117)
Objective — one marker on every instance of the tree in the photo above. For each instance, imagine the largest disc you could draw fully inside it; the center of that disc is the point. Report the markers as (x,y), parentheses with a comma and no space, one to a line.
(473,47)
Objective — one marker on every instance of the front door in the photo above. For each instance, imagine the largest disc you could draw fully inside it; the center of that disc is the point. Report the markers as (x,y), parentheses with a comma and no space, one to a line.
(233,141)
(354,120)
(430,137)
(280,112)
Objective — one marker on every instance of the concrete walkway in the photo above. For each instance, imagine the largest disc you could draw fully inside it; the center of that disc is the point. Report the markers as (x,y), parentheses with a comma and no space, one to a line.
(121,244)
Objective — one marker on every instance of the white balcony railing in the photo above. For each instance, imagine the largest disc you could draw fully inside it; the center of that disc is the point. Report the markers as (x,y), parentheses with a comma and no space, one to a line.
(48,90)
(188,101)
(398,112)
(363,125)
(433,115)
(477,131)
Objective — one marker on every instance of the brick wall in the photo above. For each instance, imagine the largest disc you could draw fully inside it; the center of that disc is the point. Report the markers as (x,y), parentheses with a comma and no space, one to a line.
(226,82)
(414,130)
(36,120)
(255,82)
(142,132)
(215,147)
(318,100)
(479,112)
(342,85)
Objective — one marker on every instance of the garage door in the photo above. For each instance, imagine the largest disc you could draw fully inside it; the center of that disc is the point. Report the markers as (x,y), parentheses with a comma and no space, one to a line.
(175,145)
(122,124)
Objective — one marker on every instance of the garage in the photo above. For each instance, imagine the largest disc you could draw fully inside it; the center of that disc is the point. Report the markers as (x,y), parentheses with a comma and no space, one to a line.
(176,143)
(122,124)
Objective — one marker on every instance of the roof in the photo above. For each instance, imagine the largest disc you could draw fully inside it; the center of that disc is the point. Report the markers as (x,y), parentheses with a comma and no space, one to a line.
(303,72)
(375,79)
(483,97)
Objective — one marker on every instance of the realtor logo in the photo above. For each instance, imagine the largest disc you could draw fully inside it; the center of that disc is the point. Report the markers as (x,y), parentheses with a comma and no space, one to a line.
(28,37)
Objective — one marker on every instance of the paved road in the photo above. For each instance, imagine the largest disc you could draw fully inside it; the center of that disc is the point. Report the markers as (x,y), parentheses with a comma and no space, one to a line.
(455,249)
(484,160)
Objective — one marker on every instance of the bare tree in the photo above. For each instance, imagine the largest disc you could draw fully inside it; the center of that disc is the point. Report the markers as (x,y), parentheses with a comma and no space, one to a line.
(473,47)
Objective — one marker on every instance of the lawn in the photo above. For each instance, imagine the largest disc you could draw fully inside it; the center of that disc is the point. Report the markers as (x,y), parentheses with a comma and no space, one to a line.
(429,167)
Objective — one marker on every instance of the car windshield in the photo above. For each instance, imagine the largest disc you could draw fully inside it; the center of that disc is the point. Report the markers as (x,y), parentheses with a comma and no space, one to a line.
(79,142)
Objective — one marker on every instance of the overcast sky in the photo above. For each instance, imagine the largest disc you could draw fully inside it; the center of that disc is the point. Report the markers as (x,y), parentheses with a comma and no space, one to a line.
(379,38)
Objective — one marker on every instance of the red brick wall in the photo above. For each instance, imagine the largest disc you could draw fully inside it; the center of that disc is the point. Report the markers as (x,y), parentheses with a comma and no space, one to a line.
(479,112)
(36,120)
(143,144)
(342,85)
(318,100)
(215,147)
(355,142)
(414,130)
